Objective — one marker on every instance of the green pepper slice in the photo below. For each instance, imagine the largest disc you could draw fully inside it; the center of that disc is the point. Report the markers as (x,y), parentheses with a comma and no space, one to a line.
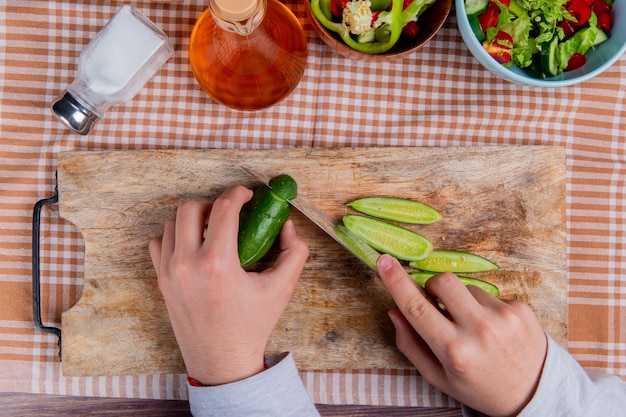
(379,47)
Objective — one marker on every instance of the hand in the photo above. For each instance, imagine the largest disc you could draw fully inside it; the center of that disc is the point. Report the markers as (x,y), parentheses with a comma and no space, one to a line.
(222,316)
(485,352)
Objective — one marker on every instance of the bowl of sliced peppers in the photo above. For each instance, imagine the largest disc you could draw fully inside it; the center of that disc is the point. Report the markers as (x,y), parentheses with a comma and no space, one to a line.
(377,30)
(544,43)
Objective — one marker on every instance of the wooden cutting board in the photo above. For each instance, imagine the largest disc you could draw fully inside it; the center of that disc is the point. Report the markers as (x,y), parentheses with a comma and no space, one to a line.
(505,203)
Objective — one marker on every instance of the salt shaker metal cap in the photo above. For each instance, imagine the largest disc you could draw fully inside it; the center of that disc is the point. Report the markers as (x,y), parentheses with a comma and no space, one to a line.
(73,114)
(112,68)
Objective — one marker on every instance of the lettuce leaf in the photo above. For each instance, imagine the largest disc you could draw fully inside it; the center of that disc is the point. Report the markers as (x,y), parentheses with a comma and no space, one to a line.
(581,42)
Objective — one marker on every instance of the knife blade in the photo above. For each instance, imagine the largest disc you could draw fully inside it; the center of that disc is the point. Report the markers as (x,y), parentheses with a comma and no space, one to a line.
(338,232)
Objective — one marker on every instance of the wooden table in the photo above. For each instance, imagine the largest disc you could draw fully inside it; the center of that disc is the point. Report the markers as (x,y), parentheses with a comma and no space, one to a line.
(38,405)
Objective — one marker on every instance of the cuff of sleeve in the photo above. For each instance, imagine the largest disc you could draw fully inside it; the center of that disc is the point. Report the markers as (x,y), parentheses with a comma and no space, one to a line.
(566,389)
(276,391)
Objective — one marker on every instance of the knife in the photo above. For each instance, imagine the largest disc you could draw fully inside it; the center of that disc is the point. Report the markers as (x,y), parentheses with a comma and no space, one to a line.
(348,240)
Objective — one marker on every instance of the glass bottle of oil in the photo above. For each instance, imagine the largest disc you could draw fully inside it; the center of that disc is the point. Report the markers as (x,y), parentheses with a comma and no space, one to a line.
(247,54)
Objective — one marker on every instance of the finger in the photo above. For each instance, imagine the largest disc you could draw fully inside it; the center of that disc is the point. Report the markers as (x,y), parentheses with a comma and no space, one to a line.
(482,297)
(291,259)
(415,349)
(155,252)
(459,301)
(190,221)
(425,318)
(223,224)
(161,249)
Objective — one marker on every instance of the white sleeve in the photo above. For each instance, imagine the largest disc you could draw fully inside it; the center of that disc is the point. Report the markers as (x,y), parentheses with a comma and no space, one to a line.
(566,390)
(277,391)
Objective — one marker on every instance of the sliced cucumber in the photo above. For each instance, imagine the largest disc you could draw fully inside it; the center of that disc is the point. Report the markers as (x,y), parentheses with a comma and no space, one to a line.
(475,6)
(421,277)
(600,37)
(399,242)
(476,28)
(453,261)
(549,63)
(357,245)
(395,209)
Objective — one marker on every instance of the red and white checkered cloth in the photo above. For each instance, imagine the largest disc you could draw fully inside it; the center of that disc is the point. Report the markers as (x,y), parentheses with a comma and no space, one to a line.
(439,96)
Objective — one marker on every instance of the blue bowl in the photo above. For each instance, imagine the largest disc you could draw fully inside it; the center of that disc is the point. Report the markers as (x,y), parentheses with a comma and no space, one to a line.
(598,59)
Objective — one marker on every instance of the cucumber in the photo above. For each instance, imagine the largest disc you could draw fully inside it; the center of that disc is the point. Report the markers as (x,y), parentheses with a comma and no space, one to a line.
(421,277)
(476,28)
(549,64)
(453,261)
(285,186)
(475,6)
(401,210)
(397,241)
(601,36)
(261,218)
(357,245)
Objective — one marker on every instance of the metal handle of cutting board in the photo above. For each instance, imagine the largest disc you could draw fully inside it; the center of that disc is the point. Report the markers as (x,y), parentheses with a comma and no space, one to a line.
(36,266)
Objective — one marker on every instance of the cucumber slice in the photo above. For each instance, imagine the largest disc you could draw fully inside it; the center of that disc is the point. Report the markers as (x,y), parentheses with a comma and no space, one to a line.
(421,277)
(549,64)
(357,245)
(453,261)
(401,210)
(397,241)
(600,37)
(476,28)
(475,6)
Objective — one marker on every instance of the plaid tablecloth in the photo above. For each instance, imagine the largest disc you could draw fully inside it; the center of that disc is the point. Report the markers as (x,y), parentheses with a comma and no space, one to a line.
(440,96)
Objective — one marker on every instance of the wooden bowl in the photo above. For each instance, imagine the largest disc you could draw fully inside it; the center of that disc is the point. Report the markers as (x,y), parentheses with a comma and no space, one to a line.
(429,23)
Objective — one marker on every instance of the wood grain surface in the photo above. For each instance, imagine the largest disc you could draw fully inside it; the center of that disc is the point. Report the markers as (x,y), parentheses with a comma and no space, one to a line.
(505,203)
(38,405)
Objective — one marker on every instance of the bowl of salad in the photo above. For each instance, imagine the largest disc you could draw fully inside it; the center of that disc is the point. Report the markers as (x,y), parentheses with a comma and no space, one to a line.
(377,30)
(544,43)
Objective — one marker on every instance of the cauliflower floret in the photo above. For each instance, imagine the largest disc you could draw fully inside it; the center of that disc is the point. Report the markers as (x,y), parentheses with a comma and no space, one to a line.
(357,15)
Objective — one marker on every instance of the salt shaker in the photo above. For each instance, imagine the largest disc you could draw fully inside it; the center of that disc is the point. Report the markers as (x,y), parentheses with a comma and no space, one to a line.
(112,68)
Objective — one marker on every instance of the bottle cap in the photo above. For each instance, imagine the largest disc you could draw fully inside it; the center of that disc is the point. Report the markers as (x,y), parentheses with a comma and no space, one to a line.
(237,10)
(73,114)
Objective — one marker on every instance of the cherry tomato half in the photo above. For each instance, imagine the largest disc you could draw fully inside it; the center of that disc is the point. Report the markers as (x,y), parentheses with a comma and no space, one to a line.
(500,47)
(410,30)
(337,6)
(489,17)
(580,10)
(601,7)
(568,28)
(576,61)
(604,22)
